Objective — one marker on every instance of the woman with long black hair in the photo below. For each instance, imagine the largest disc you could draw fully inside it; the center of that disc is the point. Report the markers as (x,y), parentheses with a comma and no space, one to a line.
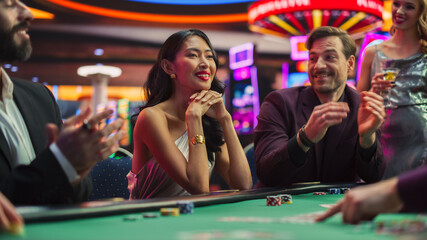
(184,131)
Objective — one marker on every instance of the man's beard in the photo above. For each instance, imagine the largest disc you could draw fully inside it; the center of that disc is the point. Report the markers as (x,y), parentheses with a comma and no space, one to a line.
(11,51)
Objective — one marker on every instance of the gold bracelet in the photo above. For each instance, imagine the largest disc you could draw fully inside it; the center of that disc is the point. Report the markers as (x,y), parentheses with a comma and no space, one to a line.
(198,139)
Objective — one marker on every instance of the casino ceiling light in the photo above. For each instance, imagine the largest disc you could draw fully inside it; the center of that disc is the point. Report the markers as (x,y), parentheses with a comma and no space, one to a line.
(287,18)
(39,14)
(193,2)
(160,18)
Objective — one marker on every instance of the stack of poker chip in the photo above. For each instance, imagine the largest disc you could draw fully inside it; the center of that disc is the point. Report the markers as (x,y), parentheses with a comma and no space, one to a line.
(16,229)
(334,191)
(286,198)
(319,193)
(169,211)
(185,207)
(404,226)
(150,215)
(274,200)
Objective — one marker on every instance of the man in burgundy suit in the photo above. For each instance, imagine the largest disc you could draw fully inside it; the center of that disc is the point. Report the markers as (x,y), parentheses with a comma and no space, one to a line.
(324,132)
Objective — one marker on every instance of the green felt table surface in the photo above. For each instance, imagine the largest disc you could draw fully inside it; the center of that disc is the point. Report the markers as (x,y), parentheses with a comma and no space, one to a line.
(205,223)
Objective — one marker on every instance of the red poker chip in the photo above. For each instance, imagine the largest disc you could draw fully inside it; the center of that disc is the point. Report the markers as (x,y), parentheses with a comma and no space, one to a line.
(274,201)
(319,193)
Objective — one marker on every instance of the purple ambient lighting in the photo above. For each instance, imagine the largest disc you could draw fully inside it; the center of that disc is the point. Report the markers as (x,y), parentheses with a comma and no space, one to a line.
(370,39)
(255,96)
(241,56)
(241,73)
(298,50)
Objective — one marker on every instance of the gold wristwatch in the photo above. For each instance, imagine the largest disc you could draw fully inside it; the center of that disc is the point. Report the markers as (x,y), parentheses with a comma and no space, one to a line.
(198,139)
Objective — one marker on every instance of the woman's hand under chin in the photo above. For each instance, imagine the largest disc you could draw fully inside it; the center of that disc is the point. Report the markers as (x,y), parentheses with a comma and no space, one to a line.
(209,103)
(217,109)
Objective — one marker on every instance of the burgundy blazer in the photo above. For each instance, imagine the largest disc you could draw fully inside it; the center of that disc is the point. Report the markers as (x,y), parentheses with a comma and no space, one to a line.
(412,188)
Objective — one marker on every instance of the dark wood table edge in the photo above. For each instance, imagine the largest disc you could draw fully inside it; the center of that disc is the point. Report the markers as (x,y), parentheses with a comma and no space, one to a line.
(36,214)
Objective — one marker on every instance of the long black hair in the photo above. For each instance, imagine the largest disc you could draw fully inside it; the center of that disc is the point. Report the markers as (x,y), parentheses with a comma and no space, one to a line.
(159,86)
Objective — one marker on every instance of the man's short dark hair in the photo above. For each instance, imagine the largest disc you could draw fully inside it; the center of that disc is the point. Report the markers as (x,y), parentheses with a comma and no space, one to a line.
(349,46)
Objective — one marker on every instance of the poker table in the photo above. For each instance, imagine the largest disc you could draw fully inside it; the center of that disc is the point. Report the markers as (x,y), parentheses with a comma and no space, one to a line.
(218,215)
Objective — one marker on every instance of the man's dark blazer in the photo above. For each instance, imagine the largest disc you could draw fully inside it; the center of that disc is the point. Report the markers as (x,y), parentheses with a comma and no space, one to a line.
(338,157)
(43,181)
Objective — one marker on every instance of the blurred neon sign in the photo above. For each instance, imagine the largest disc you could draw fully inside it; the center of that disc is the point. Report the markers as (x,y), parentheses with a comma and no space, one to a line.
(241,56)
(298,50)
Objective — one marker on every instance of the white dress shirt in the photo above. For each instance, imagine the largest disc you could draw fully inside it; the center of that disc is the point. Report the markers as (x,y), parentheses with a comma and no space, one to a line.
(13,126)
(16,133)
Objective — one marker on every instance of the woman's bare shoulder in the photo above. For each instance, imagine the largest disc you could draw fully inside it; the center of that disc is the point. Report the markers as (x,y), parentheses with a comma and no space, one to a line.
(151,115)
(371,51)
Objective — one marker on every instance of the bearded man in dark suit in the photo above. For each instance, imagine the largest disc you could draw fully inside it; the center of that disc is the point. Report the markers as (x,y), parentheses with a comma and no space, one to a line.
(32,172)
